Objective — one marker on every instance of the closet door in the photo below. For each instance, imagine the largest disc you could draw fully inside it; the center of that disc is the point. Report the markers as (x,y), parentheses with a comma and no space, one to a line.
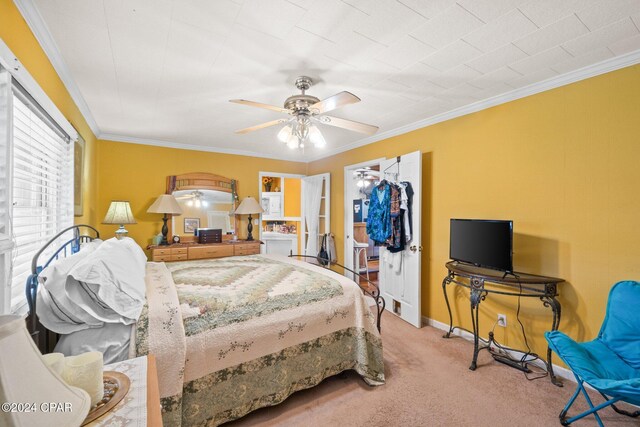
(316,206)
(401,288)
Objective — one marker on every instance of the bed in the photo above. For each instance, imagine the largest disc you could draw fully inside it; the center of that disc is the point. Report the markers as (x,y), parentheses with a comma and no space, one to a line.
(235,334)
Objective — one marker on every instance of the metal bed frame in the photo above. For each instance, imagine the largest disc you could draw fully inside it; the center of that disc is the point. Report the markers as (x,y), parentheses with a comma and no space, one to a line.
(47,340)
(375,293)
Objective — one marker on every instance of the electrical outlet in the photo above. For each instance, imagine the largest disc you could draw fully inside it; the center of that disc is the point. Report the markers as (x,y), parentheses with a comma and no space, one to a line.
(502,320)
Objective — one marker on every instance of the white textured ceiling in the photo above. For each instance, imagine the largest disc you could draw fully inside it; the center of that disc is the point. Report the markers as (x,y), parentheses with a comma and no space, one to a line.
(164,70)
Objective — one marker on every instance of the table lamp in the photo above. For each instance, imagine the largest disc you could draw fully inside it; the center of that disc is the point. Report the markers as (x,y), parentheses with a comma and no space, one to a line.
(119,213)
(26,380)
(165,204)
(249,206)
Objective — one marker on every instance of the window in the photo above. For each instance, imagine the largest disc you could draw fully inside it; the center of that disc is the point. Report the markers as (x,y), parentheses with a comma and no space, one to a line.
(39,185)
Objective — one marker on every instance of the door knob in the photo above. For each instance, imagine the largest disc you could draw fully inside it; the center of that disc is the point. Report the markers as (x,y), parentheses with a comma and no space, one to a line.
(415,248)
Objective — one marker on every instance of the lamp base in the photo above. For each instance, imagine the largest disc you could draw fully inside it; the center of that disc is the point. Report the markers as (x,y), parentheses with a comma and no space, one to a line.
(121,232)
(250,229)
(165,231)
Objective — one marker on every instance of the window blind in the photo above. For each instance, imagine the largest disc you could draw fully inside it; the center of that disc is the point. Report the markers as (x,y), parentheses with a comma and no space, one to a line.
(6,244)
(5,117)
(42,186)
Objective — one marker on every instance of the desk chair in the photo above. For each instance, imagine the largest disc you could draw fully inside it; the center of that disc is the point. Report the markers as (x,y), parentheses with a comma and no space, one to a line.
(611,362)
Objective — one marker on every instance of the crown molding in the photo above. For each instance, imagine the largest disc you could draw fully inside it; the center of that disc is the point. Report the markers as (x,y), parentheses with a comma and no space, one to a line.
(594,70)
(40,30)
(194,147)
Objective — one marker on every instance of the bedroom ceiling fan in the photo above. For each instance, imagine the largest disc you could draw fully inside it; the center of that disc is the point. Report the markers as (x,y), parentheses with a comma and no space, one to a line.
(196,198)
(365,176)
(306,111)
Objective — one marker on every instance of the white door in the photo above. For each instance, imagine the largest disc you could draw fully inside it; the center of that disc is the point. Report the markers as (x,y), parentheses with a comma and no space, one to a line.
(400,287)
(316,219)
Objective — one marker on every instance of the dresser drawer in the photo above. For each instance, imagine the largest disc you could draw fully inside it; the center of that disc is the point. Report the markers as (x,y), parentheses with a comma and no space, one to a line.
(179,257)
(210,251)
(179,251)
(246,249)
(161,258)
(159,252)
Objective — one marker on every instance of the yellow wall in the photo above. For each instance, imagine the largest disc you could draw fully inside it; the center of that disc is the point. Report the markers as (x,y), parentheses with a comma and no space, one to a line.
(138,173)
(292,199)
(16,34)
(563,165)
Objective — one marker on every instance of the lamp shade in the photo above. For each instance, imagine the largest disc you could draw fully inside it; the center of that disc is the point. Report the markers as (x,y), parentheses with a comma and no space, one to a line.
(24,377)
(119,213)
(165,204)
(249,206)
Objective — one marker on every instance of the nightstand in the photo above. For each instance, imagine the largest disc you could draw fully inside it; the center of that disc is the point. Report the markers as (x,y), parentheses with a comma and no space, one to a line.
(141,406)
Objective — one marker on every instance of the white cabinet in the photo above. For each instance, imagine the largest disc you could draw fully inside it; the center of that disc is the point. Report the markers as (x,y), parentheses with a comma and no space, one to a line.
(279,243)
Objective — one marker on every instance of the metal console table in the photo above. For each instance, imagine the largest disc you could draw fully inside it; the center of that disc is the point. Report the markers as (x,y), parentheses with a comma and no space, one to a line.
(514,284)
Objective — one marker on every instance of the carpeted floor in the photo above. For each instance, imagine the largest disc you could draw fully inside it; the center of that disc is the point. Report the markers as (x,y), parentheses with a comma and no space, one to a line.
(429,384)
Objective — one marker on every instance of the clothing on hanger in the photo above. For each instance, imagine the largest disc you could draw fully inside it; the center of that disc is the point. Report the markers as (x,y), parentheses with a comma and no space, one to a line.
(379,216)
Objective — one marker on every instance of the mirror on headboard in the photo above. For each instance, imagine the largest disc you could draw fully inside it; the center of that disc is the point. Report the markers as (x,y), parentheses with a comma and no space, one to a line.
(207,201)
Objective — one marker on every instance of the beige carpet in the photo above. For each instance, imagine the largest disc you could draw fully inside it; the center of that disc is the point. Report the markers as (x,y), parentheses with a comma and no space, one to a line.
(429,384)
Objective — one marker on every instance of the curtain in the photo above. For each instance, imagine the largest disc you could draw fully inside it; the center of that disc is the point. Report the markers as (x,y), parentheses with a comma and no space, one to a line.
(312,197)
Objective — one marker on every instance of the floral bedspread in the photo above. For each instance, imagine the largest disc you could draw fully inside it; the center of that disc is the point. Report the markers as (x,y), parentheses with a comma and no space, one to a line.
(235,334)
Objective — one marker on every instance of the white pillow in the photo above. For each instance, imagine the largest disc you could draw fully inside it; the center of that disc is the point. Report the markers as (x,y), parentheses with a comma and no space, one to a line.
(56,310)
(112,340)
(112,279)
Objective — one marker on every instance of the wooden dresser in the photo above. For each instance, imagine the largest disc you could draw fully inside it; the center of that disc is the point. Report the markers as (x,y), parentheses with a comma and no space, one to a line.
(189,251)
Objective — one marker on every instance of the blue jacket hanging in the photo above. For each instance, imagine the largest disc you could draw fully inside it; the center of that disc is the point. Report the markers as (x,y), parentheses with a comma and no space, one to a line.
(379,218)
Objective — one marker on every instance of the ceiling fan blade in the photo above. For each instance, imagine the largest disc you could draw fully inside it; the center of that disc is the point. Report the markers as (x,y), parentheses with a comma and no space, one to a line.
(348,124)
(259,105)
(261,126)
(336,101)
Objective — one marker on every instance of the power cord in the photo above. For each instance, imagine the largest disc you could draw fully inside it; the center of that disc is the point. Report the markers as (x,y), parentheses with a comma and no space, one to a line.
(528,356)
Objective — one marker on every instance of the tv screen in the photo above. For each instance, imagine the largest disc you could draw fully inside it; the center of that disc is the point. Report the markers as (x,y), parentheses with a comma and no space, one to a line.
(485,243)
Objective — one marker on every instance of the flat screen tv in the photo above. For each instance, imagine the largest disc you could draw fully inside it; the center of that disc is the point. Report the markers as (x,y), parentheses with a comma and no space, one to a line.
(484,243)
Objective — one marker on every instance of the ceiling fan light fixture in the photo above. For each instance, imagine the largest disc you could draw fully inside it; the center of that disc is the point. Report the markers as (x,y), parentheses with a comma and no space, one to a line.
(303,109)
(285,133)
(316,138)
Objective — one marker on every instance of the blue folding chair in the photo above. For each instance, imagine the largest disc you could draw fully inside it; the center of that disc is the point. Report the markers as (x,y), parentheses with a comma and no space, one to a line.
(611,362)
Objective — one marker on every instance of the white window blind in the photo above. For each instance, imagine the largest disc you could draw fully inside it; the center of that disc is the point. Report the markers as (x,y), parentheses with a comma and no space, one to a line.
(5,194)
(42,186)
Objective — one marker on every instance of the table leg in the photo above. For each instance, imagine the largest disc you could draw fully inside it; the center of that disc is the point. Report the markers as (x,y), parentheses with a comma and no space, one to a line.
(556,308)
(445,282)
(475,297)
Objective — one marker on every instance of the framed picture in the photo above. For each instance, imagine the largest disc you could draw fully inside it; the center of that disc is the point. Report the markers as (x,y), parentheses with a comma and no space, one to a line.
(191,224)
(78,172)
